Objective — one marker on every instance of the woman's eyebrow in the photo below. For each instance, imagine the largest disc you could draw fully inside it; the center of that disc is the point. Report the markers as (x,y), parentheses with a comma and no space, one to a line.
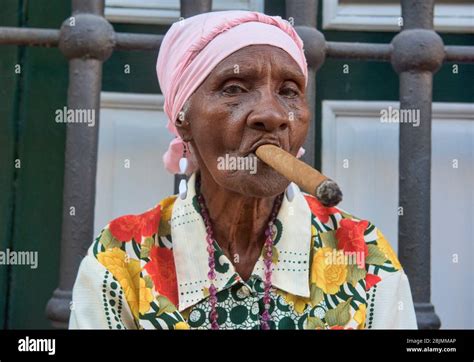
(293,74)
(235,71)
(252,72)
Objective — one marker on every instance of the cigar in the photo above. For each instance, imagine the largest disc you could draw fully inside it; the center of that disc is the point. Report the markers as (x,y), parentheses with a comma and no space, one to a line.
(307,178)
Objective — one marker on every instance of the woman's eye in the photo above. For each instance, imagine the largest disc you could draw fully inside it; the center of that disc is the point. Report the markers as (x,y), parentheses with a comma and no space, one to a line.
(289,92)
(233,89)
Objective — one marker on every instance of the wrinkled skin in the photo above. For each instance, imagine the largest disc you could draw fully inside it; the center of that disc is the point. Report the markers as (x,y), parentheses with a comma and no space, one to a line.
(228,114)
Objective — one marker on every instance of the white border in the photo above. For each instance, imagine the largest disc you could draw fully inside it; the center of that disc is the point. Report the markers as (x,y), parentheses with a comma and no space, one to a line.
(165,12)
(450,18)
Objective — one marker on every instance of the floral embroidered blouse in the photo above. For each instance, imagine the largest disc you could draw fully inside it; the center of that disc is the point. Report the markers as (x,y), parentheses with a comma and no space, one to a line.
(331,270)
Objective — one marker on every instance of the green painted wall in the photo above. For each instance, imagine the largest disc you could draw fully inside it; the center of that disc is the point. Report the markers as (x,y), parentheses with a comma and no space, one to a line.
(9,16)
(142,76)
(31,205)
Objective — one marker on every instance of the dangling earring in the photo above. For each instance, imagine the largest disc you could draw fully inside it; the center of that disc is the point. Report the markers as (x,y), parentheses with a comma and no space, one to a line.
(290,192)
(183,166)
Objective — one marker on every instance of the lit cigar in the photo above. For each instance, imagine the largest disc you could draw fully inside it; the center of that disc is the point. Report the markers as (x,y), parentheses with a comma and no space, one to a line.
(307,178)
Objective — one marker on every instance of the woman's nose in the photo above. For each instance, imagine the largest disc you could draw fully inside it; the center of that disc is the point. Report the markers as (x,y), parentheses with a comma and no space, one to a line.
(268,115)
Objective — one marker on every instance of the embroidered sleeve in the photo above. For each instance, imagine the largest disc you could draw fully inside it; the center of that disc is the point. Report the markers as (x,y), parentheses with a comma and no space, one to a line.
(390,304)
(126,280)
(99,300)
(389,300)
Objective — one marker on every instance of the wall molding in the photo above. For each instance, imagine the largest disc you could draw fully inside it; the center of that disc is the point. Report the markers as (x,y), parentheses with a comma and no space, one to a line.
(165,12)
(333,109)
(140,101)
(452,17)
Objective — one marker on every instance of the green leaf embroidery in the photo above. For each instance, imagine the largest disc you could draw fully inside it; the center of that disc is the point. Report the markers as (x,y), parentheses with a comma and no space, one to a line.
(317,295)
(165,305)
(329,239)
(277,231)
(317,243)
(314,322)
(108,241)
(354,274)
(164,228)
(185,314)
(196,204)
(275,255)
(376,256)
(221,267)
(148,282)
(345,215)
(340,315)
(146,246)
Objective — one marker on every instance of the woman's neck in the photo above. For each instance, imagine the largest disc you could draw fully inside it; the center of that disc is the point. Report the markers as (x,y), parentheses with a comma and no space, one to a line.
(238,222)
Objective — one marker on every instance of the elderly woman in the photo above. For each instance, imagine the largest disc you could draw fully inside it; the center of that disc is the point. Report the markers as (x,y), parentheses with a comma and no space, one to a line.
(238,248)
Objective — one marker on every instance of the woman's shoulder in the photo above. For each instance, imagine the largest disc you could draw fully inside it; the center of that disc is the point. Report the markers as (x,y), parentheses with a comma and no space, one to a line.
(135,252)
(337,230)
(133,235)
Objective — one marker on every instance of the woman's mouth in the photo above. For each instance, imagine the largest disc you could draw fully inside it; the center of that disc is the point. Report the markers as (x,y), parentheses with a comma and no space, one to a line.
(263,141)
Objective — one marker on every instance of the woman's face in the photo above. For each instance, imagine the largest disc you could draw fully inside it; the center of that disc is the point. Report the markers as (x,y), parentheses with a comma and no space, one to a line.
(256,95)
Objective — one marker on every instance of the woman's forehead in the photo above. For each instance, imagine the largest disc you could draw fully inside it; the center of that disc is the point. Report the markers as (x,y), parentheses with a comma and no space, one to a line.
(254,58)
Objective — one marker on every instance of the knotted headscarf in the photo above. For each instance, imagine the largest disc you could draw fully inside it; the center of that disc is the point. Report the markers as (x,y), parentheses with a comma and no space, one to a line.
(193,47)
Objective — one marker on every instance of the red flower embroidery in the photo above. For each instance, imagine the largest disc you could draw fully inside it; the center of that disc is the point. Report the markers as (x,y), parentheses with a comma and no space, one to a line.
(340,327)
(371,280)
(321,212)
(127,227)
(162,271)
(350,236)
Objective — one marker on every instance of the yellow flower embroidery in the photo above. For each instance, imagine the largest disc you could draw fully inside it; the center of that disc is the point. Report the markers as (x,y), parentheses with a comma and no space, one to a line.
(327,276)
(146,297)
(127,273)
(298,303)
(385,247)
(314,232)
(181,325)
(360,316)
(166,212)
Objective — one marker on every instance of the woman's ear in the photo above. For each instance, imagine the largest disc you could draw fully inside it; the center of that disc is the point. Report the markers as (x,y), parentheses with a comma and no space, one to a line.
(184,129)
(182,122)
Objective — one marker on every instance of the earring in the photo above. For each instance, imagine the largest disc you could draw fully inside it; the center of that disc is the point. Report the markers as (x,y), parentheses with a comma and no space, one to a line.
(183,165)
(290,192)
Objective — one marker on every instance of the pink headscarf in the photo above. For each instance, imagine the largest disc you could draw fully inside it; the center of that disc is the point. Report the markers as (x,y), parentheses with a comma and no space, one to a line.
(193,47)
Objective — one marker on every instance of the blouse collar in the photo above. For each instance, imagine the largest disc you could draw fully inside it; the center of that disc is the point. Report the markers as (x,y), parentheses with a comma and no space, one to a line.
(292,245)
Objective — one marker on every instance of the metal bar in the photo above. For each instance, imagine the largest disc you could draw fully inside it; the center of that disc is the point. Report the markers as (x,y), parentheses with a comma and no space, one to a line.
(88,6)
(194,7)
(417,14)
(360,51)
(130,41)
(303,13)
(29,36)
(86,51)
(414,185)
(151,42)
(460,54)
(79,183)
(418,53)
(190,8)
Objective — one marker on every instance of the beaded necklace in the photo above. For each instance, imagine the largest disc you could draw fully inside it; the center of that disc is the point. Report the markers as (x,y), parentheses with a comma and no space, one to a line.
(268,256)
